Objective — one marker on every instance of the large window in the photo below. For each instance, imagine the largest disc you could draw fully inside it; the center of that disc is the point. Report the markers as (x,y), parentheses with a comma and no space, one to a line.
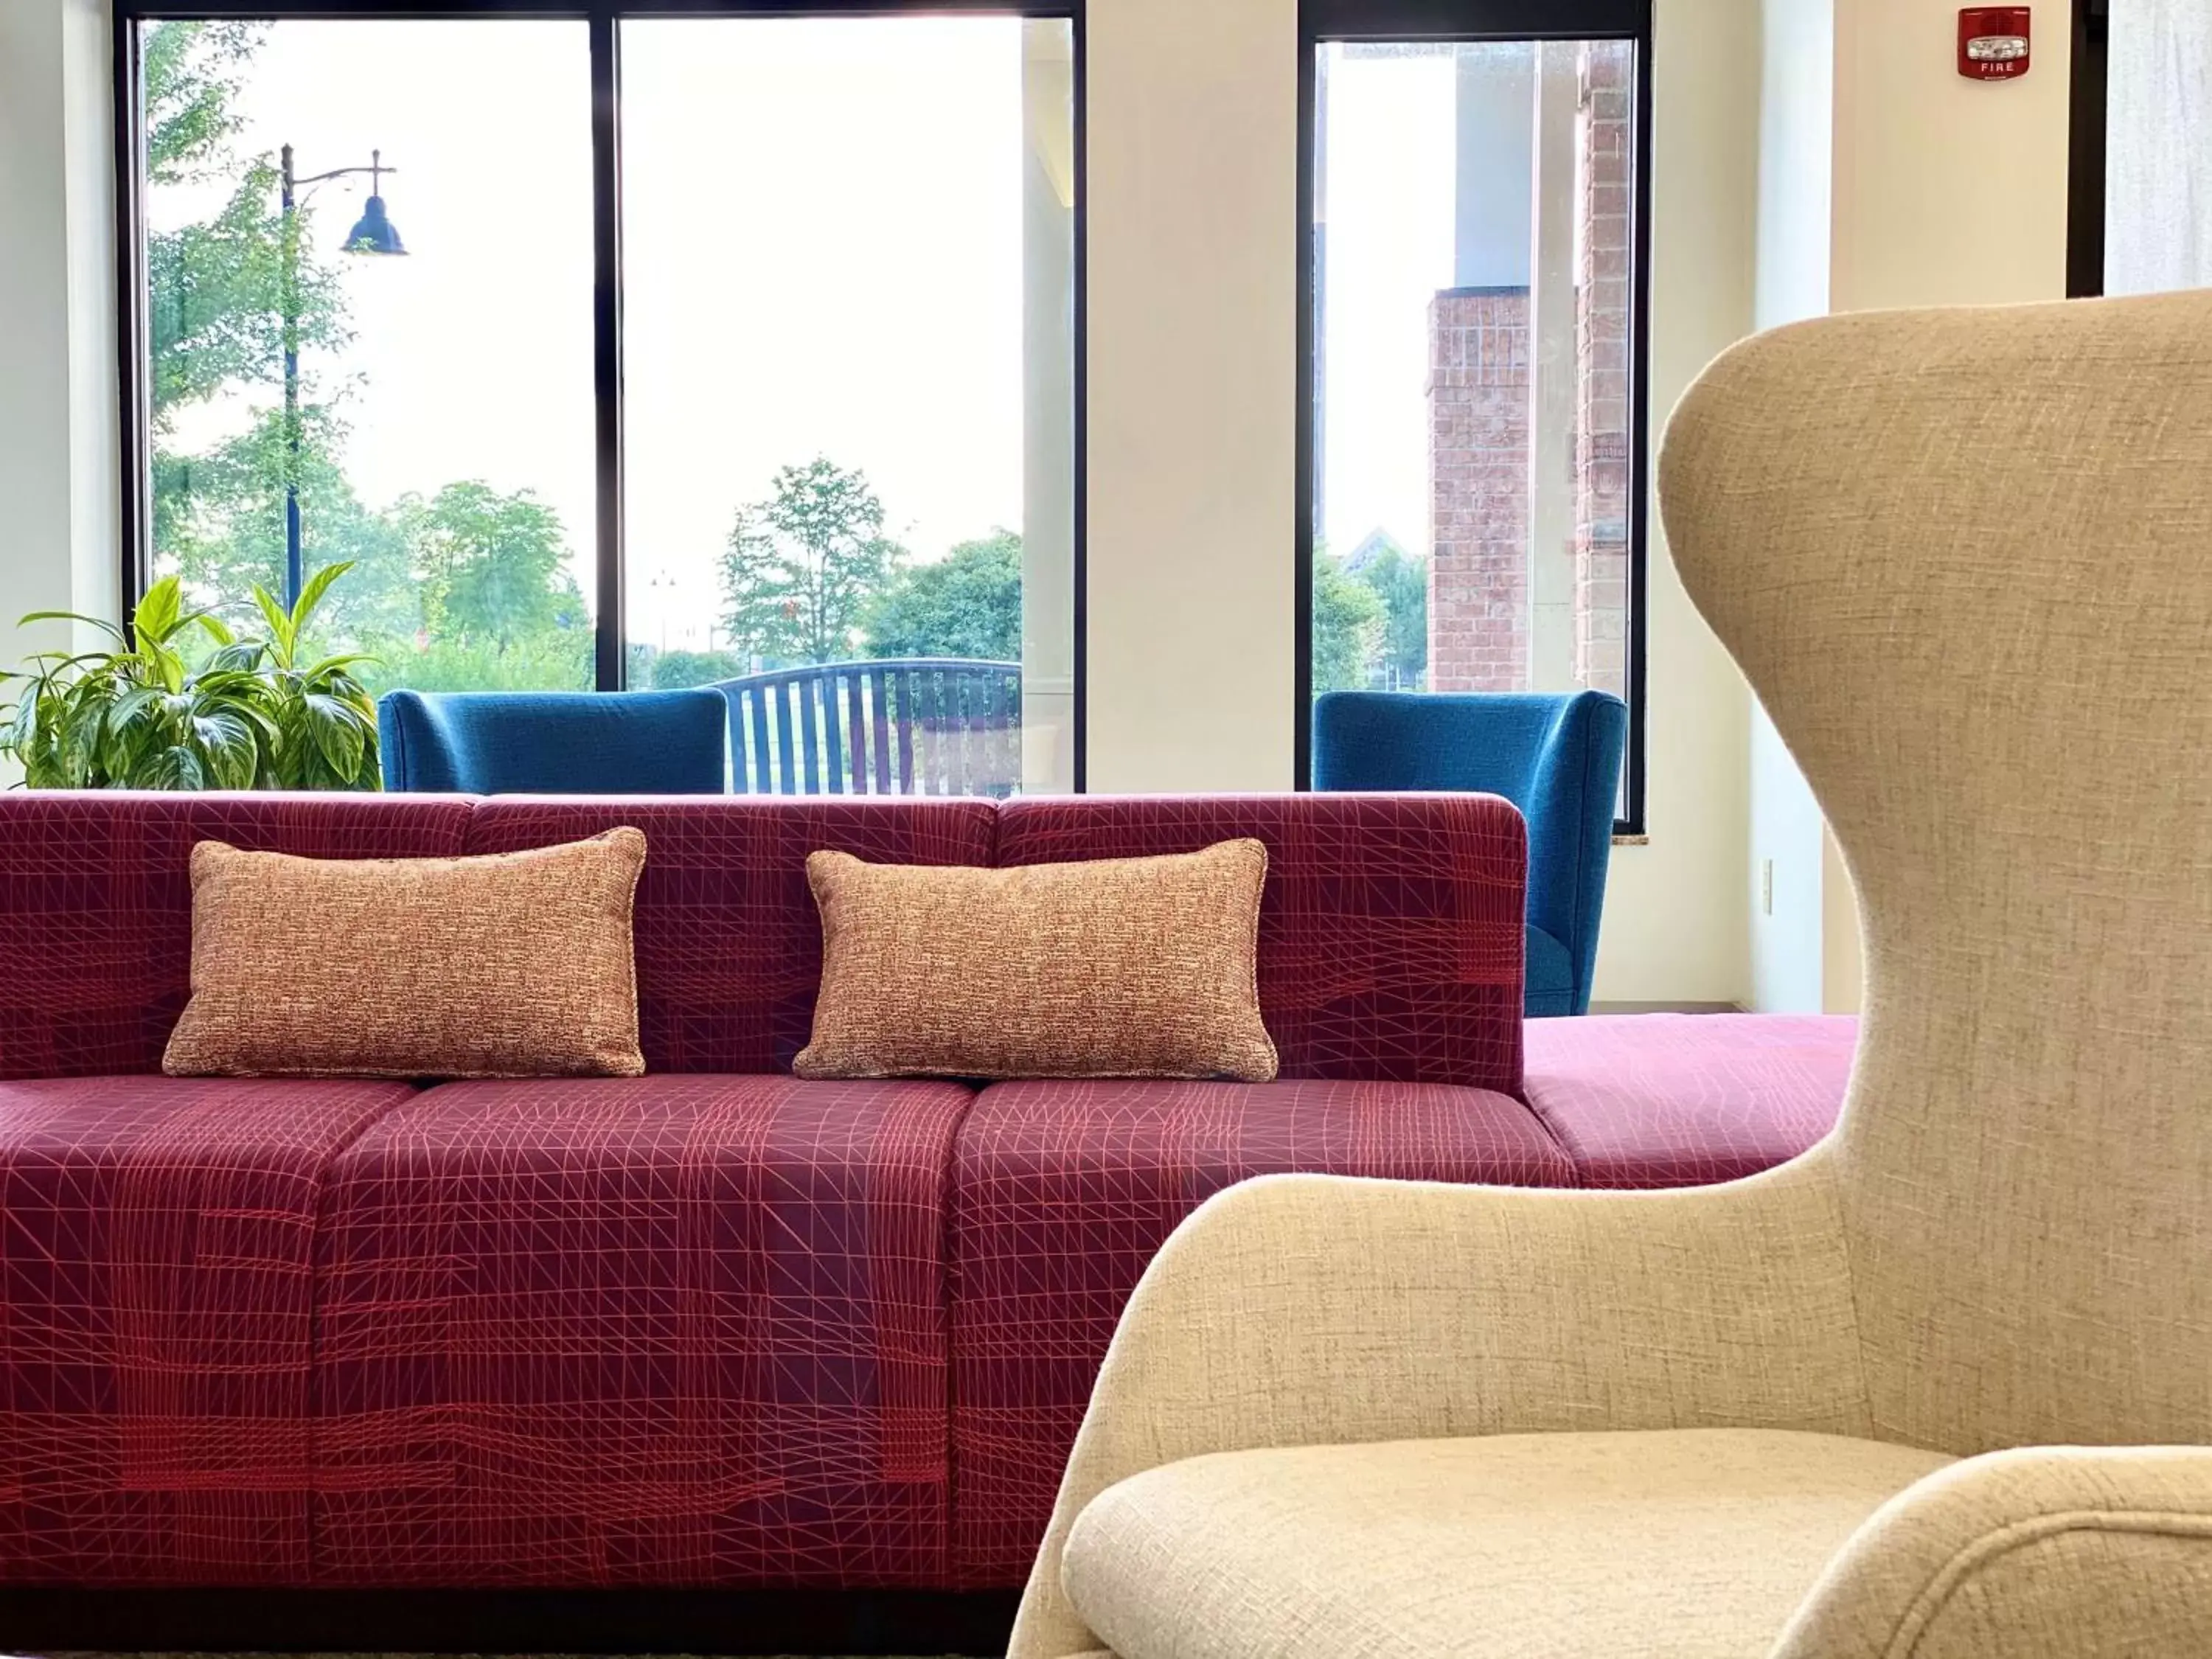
(732,345)
(368,334)
(1474,435)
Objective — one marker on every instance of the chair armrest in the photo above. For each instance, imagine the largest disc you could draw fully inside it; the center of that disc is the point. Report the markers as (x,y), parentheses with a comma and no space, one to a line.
(1314,1310)
(2048,1550)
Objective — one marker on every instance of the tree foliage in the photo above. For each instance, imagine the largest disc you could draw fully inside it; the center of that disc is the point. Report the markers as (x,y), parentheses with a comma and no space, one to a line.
(1402,583)
(1347,626)
(968,603)
(803,565)
(467,587)
(491,569)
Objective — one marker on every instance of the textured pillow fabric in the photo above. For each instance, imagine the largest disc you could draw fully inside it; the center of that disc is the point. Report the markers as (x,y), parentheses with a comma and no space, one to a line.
(519,964)
(1142,967)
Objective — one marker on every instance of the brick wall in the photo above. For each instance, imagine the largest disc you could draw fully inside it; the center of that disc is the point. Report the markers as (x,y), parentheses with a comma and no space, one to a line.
(1602,364)
(1479,491)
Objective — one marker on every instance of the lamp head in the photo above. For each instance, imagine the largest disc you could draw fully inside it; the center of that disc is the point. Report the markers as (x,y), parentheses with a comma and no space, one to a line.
(373,232)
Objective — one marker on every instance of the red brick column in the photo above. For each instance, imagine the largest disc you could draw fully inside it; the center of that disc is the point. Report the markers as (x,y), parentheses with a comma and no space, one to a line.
(1479,491)
(1601,320)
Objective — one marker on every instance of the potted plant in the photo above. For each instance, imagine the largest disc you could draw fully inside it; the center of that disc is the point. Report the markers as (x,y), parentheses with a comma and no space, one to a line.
(251,714)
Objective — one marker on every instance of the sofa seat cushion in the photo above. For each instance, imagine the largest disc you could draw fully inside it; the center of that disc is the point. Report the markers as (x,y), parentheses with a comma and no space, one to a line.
(157,1323)
(1675,1544)
(676,1330)
(1678,1100)
(1063,1192)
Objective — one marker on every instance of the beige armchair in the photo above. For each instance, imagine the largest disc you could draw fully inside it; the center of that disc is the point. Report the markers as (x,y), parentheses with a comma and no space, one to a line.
(1942,1388)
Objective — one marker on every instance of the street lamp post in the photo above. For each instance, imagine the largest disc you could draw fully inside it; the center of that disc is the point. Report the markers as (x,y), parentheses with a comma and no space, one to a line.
(373,233)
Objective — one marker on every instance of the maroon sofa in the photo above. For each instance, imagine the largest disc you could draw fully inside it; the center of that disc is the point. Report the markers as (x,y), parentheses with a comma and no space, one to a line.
(713,1326)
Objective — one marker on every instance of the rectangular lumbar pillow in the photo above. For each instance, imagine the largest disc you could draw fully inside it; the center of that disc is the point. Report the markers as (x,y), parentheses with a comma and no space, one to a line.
(519,964)
(1112,968)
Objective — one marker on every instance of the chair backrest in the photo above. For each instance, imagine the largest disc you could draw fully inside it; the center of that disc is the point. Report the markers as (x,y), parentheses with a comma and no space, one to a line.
(1965,559)
(580,743)
(921,726)
(1555,757)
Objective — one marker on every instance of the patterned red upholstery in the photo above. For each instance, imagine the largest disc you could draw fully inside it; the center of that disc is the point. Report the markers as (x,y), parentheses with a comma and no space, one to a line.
(661,1330)
(156,1323)
(1390,935)
(1063,1192)
(95,906)
(729,945)
(1678,1100)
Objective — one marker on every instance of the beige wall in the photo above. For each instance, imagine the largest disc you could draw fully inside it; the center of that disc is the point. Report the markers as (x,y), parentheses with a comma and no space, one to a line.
(56,355)
(1192,112)
(1886,179)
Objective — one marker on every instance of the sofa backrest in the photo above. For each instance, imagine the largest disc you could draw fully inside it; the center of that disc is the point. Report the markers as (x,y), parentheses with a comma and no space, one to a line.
(1390,946)
(1390,931)
(96,905)
(729,944)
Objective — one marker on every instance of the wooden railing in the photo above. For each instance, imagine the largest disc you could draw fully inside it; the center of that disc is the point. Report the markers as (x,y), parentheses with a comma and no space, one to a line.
(923,726)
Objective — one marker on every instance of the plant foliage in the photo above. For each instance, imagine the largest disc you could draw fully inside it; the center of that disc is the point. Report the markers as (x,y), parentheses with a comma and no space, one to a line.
(256,714)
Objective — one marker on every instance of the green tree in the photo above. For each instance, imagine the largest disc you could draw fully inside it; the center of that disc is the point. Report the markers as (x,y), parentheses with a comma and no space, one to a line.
(967,604)
(225,529)
(803,565)
(491,569)
(1347,626)
(218,295)
(1402,583)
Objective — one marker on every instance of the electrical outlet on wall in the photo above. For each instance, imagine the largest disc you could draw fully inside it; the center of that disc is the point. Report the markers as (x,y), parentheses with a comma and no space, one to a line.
(1767,886)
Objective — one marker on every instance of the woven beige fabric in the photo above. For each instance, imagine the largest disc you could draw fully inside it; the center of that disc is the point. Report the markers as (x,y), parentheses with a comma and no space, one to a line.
(1965,559)
(1112,968)
(2053,1550)
(1694,1544)
(1305,1309)
(519,964)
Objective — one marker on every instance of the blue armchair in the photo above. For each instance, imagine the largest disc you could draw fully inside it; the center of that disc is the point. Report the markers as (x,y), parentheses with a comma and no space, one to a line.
(1557,758)
(571,742)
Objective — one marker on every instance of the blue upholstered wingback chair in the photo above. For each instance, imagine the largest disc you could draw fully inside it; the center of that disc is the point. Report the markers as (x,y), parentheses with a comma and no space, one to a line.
(565,743)
(1557,758)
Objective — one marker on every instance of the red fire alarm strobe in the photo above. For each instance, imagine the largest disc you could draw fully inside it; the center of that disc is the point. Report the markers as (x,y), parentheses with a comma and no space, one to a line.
(1993,42)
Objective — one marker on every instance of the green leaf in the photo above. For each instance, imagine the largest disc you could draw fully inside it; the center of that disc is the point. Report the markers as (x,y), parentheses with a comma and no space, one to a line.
(311,594)
(101,623)
(339,734)
(175,767)
(158,612)
(226,742)
(280,624)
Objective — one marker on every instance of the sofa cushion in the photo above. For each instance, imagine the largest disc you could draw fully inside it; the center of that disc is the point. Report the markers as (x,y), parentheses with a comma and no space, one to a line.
(96,905)
(156,1323)
(1675,1100)
(729,944)
(1101,968)
(519,964)
(1063,1192)
(1390,929)
(663,1330)
(1667,1544)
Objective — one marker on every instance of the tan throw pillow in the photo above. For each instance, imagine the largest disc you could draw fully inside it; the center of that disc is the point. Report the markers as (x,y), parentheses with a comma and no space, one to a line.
(1114,968)
(514,965)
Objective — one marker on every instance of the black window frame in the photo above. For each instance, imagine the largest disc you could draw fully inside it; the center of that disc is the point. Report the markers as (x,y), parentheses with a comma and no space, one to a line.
(2087,141)
(604,19)
(1454,22)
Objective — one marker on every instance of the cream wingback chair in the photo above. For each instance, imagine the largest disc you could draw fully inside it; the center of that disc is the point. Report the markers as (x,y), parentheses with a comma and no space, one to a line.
(1941,1388)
